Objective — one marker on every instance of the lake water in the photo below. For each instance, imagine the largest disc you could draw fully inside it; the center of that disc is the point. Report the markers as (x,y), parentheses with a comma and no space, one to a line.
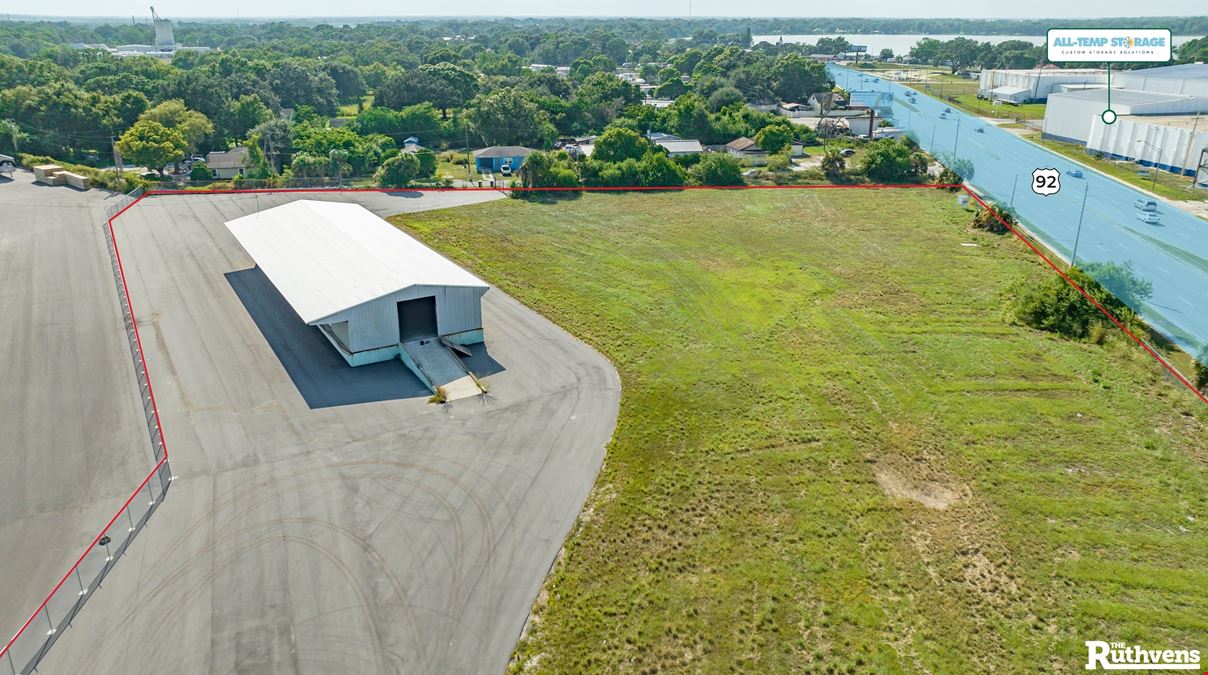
(901,44)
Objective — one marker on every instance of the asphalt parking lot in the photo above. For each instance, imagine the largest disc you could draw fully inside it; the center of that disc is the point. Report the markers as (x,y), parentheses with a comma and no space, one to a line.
(73,444)
(326,519)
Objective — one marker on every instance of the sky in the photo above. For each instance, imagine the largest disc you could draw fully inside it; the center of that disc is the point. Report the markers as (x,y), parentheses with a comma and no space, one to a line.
(639,8)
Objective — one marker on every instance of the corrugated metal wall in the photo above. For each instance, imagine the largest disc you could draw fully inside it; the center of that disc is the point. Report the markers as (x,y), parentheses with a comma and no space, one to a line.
(375,324)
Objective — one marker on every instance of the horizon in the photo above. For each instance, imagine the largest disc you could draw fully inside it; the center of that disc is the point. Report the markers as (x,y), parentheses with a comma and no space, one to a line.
(376,10)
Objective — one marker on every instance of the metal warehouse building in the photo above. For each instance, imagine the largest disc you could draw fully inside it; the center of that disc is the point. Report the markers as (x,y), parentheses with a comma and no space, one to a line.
(1069,115)
(367,286)
(1174,143)
(1024,86)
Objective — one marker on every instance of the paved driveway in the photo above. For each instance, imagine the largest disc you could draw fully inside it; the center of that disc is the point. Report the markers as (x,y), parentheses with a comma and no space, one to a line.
(73,444)
(326,519)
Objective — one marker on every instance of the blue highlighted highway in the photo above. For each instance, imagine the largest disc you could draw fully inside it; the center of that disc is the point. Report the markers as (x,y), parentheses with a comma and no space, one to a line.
(1171,252)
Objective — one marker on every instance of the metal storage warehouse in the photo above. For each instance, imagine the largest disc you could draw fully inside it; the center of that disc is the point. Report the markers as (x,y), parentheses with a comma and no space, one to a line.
(1025,86)
(367,286)
(1069,115)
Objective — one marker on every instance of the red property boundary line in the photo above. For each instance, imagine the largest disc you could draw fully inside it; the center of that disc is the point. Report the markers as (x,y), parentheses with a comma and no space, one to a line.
(159,465)
(1019,235)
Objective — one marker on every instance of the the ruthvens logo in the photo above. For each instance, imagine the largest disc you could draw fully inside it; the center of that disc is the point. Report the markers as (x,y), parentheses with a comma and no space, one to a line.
(1122,45)
(1119,656)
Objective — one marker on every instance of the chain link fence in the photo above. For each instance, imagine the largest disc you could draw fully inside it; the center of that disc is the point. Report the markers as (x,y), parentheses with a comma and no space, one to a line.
(26,649)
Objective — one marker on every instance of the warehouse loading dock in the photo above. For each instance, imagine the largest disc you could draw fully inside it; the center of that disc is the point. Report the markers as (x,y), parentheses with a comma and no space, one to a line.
(374,292)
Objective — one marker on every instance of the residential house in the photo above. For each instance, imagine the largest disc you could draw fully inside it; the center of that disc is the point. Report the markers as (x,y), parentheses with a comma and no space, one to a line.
(225,164)
(411,144)
(744,148)
(822,102)
(497,157)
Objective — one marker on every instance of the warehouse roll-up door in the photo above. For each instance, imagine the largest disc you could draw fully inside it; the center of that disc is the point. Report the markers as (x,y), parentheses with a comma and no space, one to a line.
(417,319)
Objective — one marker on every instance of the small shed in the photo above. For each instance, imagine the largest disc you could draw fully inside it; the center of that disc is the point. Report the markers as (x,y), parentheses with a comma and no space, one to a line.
(496,157)
(1010,94)
(676,147)
(366,285)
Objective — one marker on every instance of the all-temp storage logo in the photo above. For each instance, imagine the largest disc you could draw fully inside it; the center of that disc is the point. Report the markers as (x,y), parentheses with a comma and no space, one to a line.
(1123,45)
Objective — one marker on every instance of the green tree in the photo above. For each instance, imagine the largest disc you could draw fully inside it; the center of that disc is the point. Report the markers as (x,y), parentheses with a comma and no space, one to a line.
(886,54)
(11,135)
(656,169)
(617,144)
(717,168)
(508,117)
(600,98)
(200,172)
(890,161)
(726,96)
(1194,51)
(244,114)
(672,89)
(337,160)
(306,165)
(927,50)
(427,163)
(794,77)
(1121,281)
(960,53)
(444,85)
(152,145)
(546,170)
(398,171)
(173,114)
(774,138)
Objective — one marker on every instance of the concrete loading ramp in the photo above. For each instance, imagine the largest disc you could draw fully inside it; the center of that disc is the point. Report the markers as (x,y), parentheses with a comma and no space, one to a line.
(439,368)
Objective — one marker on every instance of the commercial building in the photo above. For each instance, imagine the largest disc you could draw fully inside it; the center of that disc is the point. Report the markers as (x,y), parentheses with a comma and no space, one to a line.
(1069,115)
(368,287)
(1187,79)
(165,46)
(1158,117)
(1027,86)
(1175,143)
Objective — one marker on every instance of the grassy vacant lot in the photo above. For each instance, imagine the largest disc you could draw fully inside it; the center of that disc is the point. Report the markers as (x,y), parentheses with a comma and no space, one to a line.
(1169,185)
(962,93)
(834,453)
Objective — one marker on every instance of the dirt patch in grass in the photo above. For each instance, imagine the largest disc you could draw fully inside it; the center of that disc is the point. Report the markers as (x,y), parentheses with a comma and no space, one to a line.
(932,494)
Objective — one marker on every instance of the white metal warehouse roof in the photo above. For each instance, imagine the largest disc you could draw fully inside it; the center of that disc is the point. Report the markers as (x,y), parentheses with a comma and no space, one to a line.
(327,257)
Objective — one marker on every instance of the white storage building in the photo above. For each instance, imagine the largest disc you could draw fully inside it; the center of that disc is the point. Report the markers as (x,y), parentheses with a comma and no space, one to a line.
(1069,116)
(1171,143)
(1025,86)
(1187,79)
(367,286)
